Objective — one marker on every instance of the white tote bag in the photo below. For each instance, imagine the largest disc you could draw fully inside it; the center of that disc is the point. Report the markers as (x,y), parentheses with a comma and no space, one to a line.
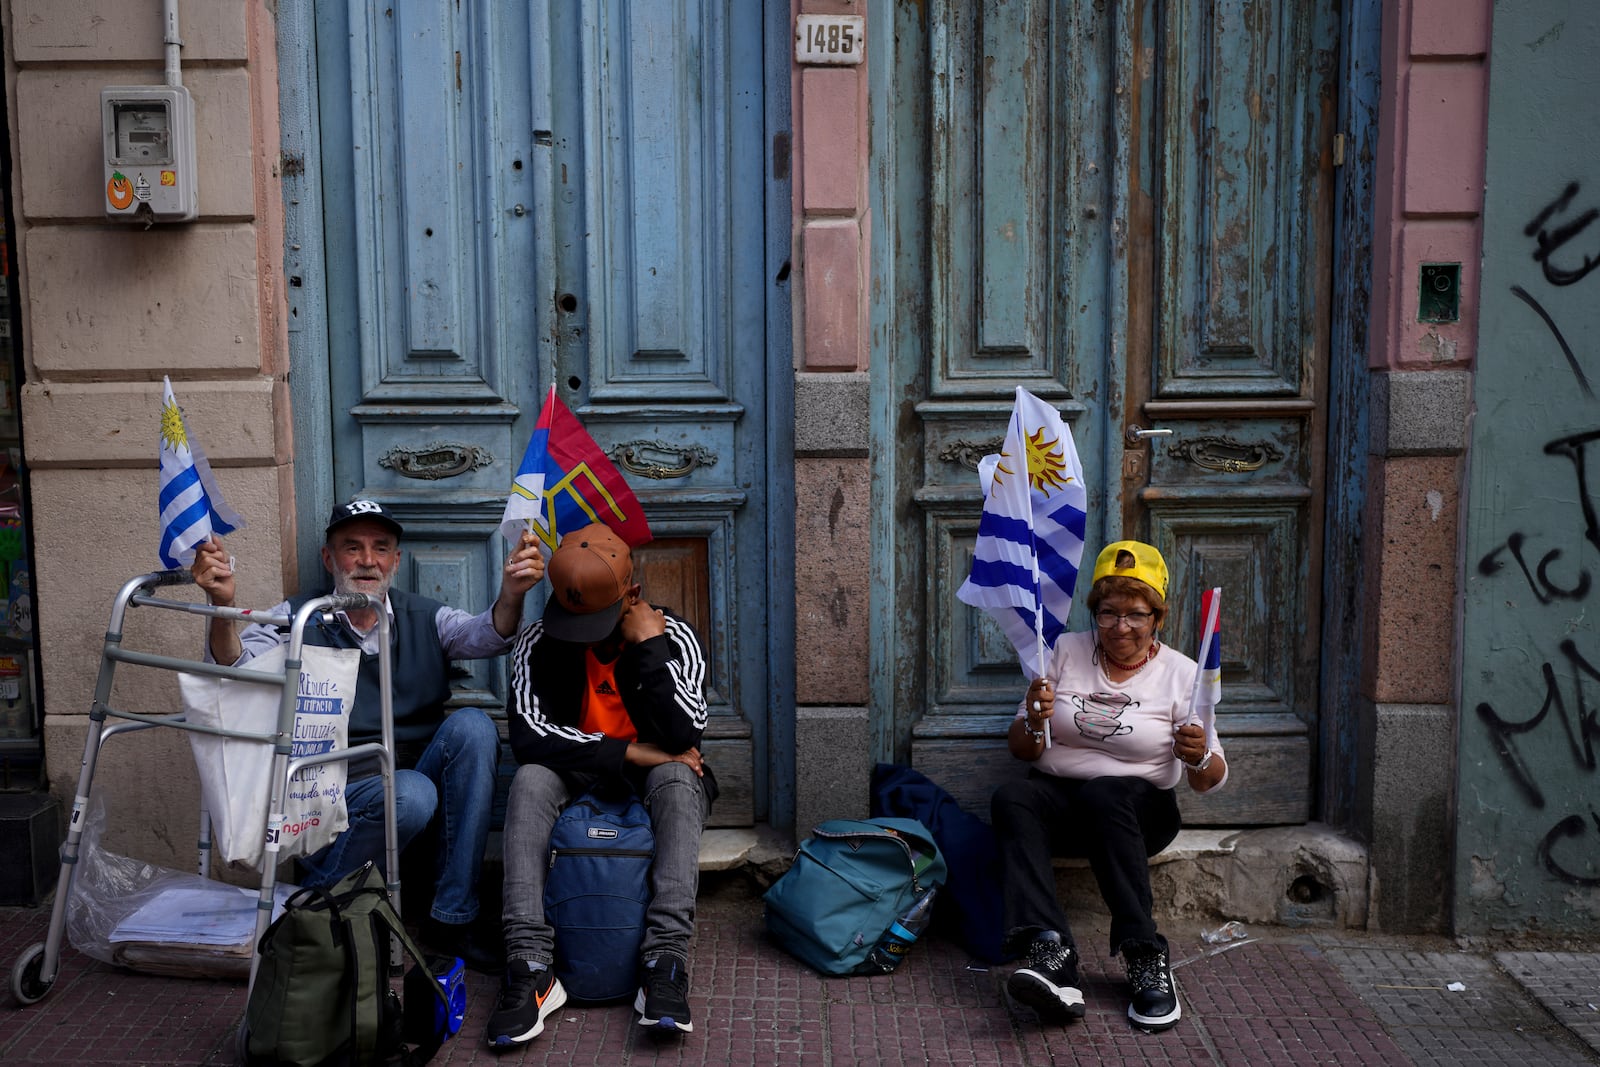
(236,775)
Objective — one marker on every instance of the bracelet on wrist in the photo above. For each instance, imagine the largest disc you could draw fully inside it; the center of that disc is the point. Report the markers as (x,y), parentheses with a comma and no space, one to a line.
(1027,728)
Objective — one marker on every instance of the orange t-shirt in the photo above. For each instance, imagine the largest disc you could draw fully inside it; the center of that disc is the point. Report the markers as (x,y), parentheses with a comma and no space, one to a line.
(603,712)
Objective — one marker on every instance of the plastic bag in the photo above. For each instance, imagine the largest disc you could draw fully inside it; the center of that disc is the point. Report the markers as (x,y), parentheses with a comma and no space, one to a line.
(236,775)
(118,903)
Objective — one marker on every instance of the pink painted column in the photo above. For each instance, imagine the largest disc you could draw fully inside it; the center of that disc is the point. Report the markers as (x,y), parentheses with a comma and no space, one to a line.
(1427,211)
(832,469)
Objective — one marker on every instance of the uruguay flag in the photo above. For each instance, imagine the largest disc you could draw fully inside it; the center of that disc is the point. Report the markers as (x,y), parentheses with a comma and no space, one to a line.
(1030,538)
(565,483)
(1208,682)
(191,504)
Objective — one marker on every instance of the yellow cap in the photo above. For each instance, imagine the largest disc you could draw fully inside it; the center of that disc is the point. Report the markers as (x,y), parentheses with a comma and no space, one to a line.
(1148,566)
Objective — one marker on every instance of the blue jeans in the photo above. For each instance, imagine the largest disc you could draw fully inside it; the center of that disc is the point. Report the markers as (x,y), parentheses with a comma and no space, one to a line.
(453,778)
(678,807)
(1117,824)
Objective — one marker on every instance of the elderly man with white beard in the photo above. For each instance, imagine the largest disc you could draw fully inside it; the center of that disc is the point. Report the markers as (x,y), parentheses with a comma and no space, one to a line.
(445,763)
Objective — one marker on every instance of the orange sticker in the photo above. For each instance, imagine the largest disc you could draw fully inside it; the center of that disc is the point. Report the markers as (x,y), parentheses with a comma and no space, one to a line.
(169,177)
(119,190)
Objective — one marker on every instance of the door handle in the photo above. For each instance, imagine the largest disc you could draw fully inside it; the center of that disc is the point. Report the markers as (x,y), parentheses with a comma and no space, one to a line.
(1138,434)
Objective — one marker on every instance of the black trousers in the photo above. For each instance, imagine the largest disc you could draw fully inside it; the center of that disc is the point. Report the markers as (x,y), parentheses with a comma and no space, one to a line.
(1117,824)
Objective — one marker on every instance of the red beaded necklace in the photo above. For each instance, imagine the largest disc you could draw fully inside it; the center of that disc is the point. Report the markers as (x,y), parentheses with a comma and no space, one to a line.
(1131,668)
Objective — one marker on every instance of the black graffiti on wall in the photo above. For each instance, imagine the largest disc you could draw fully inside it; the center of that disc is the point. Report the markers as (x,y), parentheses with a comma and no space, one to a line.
(1565,849)
(1566,349)
(1539,580)
(1549,241)
(1580,723)
(1571,826)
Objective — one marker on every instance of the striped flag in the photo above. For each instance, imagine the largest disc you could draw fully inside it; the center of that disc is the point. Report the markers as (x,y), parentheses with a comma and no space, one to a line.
(1030,538)
(565,482)
(190,503)
(1208,680)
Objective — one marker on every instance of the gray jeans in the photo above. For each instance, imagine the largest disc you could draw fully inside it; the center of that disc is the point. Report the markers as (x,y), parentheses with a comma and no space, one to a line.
(678,807)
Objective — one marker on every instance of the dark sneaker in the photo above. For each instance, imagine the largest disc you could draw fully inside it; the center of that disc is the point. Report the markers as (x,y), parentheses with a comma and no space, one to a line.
(528,994)
(663,1000)
(1048,981)
(1155,1000)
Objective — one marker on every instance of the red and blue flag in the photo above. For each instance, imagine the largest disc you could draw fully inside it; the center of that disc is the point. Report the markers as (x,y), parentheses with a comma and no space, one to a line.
(1208,684)
(566,482)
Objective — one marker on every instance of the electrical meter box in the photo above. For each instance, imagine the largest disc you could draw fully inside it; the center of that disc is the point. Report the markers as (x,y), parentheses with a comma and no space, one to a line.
(149,142)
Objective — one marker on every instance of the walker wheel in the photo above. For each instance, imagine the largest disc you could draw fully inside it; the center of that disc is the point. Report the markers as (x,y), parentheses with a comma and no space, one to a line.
(26,985)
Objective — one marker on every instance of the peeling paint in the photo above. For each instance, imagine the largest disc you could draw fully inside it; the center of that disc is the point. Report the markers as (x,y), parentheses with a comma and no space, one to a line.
(1486,884)
(1584,902)
(1436,348)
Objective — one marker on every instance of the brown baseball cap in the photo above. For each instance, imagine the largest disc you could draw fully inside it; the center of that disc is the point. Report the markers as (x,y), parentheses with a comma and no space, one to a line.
(589,576)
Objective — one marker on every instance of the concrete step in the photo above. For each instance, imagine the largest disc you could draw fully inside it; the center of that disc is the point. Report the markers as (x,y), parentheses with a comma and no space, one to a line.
(1298,876)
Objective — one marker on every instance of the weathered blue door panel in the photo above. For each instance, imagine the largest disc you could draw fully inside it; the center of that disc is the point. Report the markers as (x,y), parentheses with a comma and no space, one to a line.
(1121,207)
(517,195)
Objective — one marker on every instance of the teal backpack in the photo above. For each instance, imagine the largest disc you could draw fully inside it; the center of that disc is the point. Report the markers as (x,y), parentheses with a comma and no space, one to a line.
(850,880)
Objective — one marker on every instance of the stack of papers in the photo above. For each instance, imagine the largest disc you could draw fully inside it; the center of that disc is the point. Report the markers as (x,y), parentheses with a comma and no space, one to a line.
(214,914)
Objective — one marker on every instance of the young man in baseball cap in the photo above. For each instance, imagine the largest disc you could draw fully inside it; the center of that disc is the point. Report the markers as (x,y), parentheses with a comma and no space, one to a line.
(606,691)
(445,764)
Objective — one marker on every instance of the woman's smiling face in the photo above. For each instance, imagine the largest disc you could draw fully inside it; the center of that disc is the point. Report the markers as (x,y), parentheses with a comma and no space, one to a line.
(1127,640)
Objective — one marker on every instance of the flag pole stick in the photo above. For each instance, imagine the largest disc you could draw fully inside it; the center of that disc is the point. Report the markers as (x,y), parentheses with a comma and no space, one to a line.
(1038,593)
(1205,653)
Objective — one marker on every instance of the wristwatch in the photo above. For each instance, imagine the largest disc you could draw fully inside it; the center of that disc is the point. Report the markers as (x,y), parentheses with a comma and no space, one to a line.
(1205,761)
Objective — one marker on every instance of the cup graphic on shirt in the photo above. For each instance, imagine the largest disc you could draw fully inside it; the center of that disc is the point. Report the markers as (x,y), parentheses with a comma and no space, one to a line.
(1099,717)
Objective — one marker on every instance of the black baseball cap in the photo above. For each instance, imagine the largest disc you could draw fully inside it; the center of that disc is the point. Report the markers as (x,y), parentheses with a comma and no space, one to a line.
(363,509)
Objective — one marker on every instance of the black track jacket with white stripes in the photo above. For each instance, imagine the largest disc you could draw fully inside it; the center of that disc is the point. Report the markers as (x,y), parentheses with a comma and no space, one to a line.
(662,681)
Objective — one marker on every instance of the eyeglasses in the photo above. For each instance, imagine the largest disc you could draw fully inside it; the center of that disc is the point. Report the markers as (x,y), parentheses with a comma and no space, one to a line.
(1138,620)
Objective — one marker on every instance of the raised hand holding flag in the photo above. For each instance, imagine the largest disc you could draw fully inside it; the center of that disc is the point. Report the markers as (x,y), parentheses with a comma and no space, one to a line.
(1030,538)
(566,482)
(190,502)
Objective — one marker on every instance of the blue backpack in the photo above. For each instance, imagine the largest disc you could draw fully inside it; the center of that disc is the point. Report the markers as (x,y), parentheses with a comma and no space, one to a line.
(595,895)
(970,906)
(850,879)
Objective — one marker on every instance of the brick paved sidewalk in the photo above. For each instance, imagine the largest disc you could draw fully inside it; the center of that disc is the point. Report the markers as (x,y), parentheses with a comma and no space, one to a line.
(1286,998)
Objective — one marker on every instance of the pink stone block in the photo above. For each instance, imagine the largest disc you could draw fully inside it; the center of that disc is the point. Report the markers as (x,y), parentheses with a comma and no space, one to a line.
(1443,150)
(1450,27)
(832,636)
(63,160)
(118,300)
(830,140)
(1416,579)
(830,7)
(50,31)
(831,319)
(1431,344)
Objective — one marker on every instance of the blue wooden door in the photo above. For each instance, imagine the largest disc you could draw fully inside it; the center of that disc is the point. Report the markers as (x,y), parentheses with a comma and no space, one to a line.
(515,195)
(1122,207)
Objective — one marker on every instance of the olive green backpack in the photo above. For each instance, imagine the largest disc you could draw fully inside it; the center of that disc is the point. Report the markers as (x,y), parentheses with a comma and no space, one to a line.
(322,991)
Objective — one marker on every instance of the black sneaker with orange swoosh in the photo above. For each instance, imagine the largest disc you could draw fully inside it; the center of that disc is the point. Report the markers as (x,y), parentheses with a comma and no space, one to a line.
(528,995)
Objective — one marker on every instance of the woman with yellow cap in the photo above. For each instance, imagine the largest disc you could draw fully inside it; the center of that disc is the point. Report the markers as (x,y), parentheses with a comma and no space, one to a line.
(1116,702)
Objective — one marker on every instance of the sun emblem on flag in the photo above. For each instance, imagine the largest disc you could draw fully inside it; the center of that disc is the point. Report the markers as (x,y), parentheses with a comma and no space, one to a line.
(172,434)
(1046,463)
